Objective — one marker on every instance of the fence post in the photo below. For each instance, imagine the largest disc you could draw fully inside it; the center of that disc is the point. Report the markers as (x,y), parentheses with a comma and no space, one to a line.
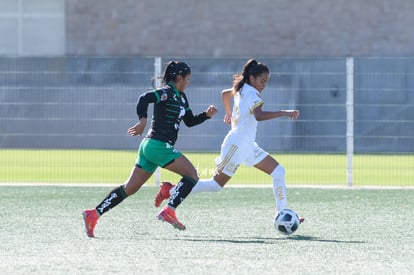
(20,28)
(157,82)
(349,118)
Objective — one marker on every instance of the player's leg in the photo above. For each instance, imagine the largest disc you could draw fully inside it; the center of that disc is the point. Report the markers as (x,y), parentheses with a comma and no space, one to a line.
(186,169)
(226,166)
(270,166)
(214,184)
(260,159)
(171,159)
(166,189)
(141,172)
(139,175)
(137,178)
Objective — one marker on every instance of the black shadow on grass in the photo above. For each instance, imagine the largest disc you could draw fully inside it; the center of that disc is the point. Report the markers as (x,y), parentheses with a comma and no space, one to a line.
(261,240)
(317,239)
(238,240)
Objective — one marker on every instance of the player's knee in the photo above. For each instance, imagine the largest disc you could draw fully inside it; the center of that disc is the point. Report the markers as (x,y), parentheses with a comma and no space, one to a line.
(193,179)
(281,169)
(279,172)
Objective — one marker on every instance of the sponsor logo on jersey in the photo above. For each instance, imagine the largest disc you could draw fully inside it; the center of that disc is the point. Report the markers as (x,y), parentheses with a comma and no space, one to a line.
(164,97)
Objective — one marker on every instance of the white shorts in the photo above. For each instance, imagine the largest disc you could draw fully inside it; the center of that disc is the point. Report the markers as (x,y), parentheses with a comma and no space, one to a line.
(232,155)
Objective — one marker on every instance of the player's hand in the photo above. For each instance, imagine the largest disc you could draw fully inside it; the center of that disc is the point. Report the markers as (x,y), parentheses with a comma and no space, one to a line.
(292,114)
(211,110)
(227,119)
(138,128)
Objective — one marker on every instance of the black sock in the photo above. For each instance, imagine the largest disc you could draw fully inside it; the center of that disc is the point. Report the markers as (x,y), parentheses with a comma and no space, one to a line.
(183,188)
(114,198)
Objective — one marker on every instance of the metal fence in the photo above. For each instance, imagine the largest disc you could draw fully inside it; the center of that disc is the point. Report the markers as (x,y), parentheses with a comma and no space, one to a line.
(89,102)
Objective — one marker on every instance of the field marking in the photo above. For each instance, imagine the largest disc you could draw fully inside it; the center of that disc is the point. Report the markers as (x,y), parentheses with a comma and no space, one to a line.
(151,185)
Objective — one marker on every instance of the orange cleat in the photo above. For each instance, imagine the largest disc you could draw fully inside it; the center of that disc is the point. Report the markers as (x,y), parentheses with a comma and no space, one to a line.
(91,219)
(163,194)
(168,215)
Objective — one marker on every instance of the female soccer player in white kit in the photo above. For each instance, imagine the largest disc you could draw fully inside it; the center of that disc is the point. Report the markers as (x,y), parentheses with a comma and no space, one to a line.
(239,145)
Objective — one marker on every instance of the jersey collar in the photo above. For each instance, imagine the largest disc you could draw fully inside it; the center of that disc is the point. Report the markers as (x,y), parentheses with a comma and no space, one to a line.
(250,87)
(174,88)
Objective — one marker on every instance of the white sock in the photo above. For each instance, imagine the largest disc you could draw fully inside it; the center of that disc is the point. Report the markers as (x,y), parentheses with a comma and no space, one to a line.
(203,185)
(279,187)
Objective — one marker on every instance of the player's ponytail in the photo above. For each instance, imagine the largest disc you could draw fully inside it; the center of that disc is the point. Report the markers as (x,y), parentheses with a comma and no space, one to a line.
(252,67)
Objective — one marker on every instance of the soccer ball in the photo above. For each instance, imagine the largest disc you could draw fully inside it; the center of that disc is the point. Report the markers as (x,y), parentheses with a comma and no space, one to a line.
(287,221)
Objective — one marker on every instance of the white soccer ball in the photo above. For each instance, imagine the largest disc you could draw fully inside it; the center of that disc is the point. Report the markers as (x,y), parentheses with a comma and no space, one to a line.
(287,221)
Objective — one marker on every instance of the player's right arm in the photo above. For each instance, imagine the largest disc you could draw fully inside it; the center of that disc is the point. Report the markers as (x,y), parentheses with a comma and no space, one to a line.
(226,96)
(142,109)
(138,128)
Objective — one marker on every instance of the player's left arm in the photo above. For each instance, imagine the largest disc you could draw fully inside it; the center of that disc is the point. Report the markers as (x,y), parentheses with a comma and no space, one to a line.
(192,120)
(260,115)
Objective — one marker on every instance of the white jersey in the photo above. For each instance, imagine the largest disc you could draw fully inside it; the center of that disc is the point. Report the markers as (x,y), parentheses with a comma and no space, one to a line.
(239,145)
(243,122)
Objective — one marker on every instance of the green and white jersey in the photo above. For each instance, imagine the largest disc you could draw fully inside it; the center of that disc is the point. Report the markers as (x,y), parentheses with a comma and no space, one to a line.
(170,108)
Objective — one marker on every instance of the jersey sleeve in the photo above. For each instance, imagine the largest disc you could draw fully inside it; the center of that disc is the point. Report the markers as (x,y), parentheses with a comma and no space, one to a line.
(145,99)
(254,101)
(189,118)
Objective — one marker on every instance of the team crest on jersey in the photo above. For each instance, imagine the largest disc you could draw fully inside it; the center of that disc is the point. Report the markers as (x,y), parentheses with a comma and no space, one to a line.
(164,97)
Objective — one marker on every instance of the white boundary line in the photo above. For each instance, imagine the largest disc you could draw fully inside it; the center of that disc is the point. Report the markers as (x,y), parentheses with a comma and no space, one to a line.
(290,186)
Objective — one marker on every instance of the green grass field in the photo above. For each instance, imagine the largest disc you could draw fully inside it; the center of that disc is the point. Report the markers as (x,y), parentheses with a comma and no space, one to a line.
(106,166)
(347,231)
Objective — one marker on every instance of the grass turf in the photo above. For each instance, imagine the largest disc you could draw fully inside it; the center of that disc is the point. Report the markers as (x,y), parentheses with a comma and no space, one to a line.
(107,166)
(347,231)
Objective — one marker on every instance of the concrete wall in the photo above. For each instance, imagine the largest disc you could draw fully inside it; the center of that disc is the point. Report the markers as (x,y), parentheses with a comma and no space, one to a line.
(241,28)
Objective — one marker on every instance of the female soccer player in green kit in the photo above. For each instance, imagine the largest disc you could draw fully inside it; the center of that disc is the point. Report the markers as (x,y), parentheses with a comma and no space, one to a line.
(157,148)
